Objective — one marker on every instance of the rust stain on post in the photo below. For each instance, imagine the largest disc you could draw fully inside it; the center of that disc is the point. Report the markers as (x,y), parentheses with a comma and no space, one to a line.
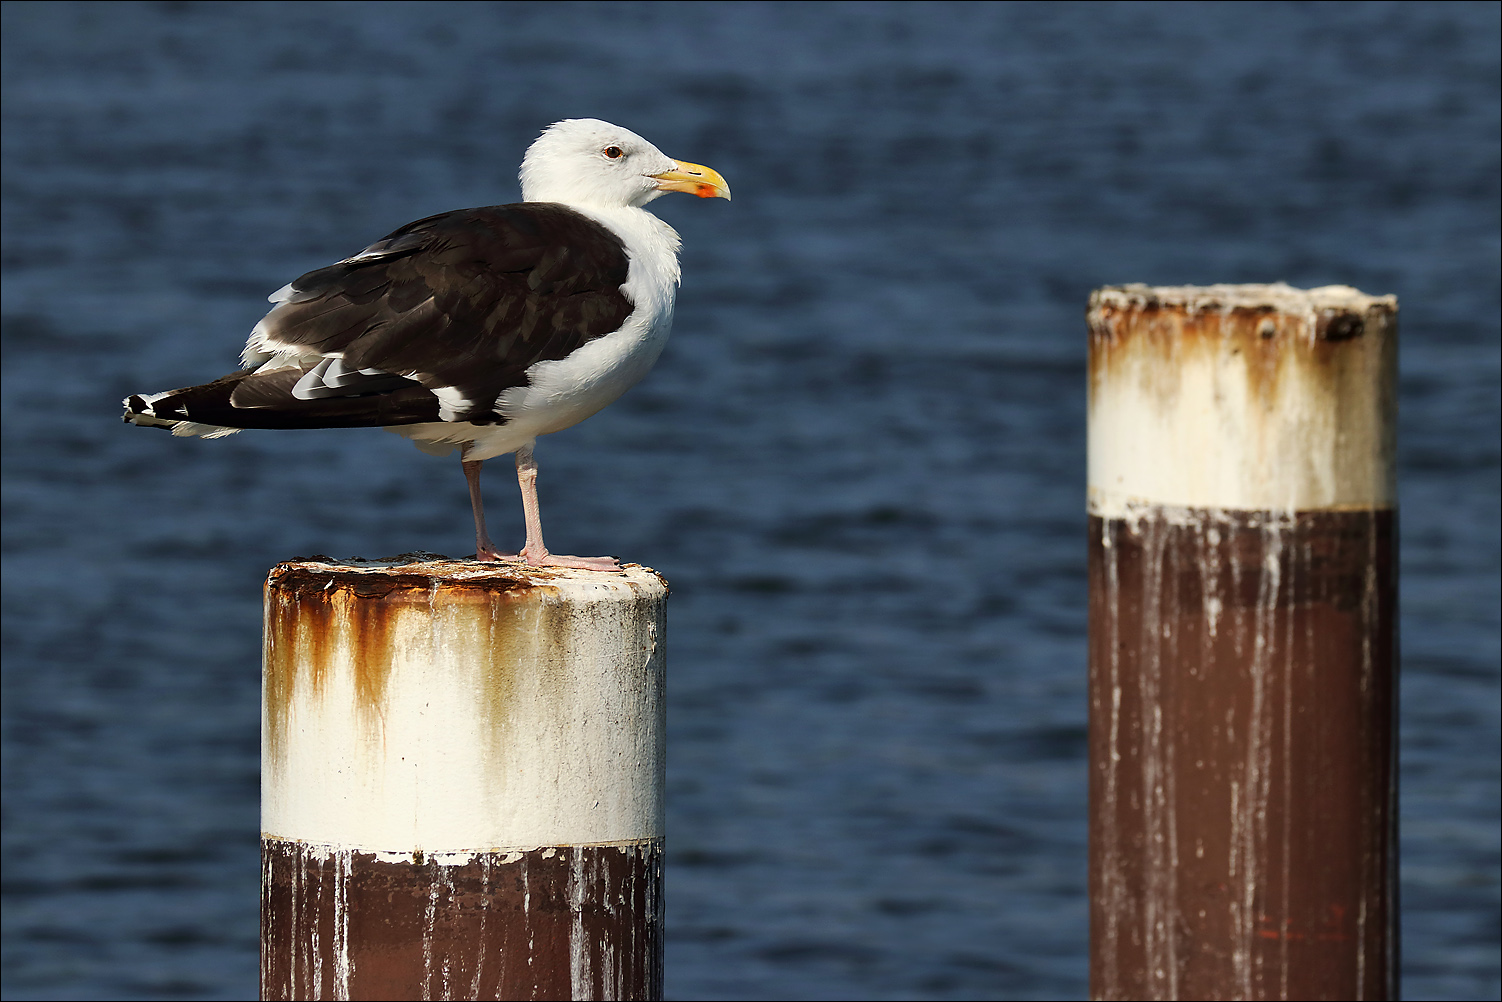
(1242,661)
(315,610)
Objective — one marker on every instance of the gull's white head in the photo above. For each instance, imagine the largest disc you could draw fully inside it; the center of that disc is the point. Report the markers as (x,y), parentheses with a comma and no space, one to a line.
(584,161)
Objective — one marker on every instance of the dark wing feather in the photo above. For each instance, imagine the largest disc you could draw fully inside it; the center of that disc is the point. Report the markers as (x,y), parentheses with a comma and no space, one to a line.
(468,299)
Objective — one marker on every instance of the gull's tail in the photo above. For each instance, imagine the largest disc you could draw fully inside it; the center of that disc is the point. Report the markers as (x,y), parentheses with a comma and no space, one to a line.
(252,398)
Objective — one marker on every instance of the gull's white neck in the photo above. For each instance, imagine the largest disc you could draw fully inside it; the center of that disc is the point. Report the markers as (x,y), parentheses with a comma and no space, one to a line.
(652,246)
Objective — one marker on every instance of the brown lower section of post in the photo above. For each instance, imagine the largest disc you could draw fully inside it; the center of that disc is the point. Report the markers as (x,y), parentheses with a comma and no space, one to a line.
(1241,755)
(570,922)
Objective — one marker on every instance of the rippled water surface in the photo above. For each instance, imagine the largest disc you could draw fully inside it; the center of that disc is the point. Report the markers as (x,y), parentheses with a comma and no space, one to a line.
(860,462)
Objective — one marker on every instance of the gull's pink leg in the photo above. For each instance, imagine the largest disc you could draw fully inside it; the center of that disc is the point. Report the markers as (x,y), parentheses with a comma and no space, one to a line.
(484,548)
(534,552)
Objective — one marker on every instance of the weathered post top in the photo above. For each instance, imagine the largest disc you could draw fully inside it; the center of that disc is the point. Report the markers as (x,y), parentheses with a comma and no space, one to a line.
(1255,397)
(465,698)
(462,771)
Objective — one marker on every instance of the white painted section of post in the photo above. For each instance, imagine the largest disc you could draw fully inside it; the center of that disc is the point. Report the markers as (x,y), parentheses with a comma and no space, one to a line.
(472,721)
(1209,422)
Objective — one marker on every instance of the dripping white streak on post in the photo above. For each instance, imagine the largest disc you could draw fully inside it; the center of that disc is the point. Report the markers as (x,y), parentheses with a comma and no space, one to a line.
(579,979)
(343,870)
(1114,879)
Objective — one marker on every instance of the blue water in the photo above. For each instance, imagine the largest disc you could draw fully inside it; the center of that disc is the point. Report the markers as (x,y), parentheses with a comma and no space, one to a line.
(860,462)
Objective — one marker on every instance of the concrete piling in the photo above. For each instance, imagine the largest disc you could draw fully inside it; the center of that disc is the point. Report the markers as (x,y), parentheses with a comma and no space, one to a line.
(462,770)
(1242,649)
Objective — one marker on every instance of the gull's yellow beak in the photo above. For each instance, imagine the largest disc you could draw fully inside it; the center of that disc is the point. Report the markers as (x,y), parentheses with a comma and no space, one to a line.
(694,179)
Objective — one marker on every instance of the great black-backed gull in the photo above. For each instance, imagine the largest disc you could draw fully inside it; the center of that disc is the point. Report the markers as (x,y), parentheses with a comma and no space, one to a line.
(479,329)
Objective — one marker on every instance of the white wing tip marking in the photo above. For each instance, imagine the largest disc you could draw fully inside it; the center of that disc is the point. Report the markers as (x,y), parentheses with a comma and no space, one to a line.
(451,402)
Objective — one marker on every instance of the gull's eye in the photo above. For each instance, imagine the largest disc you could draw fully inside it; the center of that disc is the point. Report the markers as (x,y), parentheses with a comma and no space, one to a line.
(614,152)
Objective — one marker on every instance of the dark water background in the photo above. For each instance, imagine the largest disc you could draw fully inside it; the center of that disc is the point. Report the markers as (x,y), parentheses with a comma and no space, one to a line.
(860,462)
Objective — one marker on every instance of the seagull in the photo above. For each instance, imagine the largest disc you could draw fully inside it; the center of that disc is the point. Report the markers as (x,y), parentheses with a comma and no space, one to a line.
(478,329)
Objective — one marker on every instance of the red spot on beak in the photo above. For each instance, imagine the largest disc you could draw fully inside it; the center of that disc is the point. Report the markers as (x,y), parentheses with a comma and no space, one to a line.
(705,191)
